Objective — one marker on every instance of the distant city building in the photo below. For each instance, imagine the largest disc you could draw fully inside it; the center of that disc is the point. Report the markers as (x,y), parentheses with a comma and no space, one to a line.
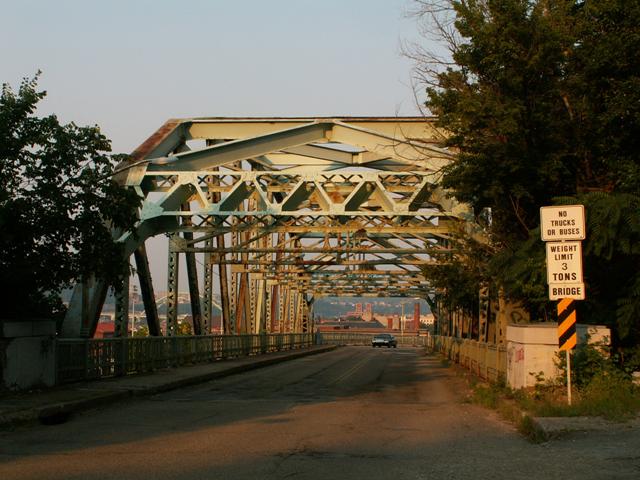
(427,319)
(365,314)
(349,325)
(357,312)
(105,329)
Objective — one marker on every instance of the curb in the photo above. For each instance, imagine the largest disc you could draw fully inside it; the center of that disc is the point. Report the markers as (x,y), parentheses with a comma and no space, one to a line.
(556,427)
(59,412)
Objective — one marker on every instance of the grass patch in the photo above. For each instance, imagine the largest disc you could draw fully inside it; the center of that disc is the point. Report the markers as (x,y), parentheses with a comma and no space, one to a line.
(601,388)
(609,394)
(531,430)
(507,404)
(486,395)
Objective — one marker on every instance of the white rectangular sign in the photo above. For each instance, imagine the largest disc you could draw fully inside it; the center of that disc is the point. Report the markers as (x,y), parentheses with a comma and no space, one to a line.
(564,222)
(566,290)
(564,262)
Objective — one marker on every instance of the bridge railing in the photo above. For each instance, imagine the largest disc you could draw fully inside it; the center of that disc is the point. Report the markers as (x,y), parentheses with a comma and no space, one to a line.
(354,338)
(88,359)
(486,360)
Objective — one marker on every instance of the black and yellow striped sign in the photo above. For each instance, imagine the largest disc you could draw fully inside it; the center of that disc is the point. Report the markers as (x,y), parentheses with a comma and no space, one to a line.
(567,336)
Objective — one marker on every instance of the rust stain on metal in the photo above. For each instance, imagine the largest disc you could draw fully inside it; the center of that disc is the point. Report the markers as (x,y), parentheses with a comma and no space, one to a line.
(155,139)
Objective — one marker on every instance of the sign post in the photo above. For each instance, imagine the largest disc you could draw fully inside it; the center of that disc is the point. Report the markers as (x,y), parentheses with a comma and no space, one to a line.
(563,228)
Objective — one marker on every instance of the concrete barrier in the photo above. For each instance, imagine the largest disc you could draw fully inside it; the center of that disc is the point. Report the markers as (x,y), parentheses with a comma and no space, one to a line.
(532,350)
(530,353)
(27,354)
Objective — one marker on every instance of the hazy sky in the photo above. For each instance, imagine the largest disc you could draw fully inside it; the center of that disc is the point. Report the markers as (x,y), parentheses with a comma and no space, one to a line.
(130,65)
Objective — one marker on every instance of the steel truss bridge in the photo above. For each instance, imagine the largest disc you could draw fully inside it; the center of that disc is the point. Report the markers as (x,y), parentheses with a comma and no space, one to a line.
(282,211)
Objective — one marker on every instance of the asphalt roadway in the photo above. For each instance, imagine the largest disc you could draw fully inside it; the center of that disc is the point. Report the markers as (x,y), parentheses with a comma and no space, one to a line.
(353,413)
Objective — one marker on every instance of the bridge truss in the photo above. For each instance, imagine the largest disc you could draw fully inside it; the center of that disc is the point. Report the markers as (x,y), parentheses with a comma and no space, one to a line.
(282,211)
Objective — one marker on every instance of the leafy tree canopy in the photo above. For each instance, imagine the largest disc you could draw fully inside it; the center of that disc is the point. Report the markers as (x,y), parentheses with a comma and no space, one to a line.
(58,205)
(542,102)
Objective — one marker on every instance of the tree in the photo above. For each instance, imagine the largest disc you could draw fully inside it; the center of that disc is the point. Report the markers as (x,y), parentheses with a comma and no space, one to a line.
(185,327)
(141,331)
(541,100)
(58,206)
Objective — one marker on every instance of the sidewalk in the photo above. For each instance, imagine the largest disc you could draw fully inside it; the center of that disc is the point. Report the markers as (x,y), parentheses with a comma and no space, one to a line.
(57,404)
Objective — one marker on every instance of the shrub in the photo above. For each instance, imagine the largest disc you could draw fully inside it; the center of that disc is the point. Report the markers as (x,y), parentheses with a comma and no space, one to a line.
(610,394)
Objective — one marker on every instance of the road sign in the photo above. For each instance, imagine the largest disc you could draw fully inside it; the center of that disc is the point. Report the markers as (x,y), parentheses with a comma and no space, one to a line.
(564,270)
(567,336)
(575,291)
(565,222)
(564,262)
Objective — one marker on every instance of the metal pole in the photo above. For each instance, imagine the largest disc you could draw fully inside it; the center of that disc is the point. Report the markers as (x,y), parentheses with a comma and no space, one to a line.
(122,307)
(172,288)
(568,376)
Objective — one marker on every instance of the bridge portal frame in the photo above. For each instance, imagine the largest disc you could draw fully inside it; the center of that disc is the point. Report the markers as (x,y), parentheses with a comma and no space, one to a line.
(286,210)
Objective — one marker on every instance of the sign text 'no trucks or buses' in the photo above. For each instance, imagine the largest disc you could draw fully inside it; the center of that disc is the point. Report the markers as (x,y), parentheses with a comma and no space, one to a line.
(563,222)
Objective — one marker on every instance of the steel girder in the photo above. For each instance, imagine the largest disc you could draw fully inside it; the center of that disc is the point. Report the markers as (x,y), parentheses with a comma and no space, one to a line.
(288,209)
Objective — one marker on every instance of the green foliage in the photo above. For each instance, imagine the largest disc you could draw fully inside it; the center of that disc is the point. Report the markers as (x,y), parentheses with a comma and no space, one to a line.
(600,387)
(612,254)
(587,361)
(58,205)
(523,274)
(611,261)
(459,275)
(509,405)
(542,104)
(184,328)
(486,395)
(607,392)
(457,286)
(503,105)
(603,93)
(530,429)
(610,394)
(142,331)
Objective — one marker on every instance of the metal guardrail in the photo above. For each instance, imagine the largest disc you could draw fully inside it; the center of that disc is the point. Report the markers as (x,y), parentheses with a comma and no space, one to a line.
(89,359)
(352,338)
(486,360)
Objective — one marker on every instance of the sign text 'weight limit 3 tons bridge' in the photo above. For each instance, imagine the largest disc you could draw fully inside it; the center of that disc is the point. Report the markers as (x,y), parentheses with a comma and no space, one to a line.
(282,211)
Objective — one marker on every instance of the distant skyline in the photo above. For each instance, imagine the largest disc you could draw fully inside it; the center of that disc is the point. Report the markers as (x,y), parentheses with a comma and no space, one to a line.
(128,66)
